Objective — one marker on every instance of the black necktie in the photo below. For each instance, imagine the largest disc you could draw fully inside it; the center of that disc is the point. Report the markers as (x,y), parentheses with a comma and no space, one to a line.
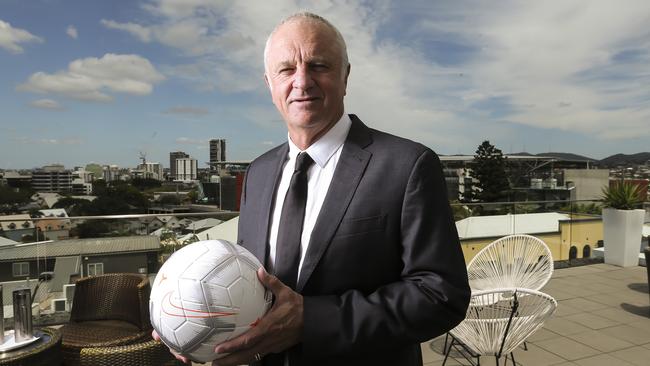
(287,258)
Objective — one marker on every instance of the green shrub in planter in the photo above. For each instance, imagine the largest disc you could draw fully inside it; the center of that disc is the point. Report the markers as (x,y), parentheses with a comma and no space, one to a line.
(622,196)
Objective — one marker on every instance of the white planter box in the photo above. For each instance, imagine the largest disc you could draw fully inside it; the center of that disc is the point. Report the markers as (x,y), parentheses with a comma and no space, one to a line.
(622,235)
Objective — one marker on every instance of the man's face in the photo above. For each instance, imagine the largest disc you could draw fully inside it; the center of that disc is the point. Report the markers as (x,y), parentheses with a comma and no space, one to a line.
(305,75)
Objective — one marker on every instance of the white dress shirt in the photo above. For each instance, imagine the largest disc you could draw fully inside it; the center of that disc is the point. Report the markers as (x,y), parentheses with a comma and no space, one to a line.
(325,152)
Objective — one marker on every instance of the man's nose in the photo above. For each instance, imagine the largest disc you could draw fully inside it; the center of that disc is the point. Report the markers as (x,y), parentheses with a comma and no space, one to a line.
(302,78)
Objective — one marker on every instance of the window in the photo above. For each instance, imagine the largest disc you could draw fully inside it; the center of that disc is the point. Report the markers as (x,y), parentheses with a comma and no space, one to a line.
(95,269)
(21,269)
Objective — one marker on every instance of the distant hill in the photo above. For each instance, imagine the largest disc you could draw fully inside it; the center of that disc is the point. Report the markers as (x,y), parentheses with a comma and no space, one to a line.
(623,159)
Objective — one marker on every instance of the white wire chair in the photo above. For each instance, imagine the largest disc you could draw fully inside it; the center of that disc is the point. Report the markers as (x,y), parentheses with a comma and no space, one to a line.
(519,260)
(498,321)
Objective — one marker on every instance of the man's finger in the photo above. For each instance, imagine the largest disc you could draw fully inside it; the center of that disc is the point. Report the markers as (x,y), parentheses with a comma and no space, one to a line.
(233,359)
(245,341)
(269,281)
(183,359)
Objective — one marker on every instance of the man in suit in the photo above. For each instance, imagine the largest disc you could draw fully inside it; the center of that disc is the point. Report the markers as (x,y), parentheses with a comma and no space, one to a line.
(377,267)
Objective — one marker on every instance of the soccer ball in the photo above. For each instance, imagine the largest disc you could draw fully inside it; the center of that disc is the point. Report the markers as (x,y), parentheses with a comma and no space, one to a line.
(204,294)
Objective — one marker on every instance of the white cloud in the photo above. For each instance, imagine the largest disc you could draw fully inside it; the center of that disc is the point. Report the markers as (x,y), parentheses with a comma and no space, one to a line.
(562,61)
(140,32)
(46,104)
(72,32)
(555,66)
(48,141)
(10,38)
(92,78)
(191,141)
(66,141)
(187,111)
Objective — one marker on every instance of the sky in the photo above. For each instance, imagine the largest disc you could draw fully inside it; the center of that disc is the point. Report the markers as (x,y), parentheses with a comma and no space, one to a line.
(86,81)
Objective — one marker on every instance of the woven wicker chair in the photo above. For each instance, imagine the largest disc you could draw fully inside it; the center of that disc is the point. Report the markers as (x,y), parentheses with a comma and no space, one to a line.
(512,261)
(150,353)
(498,321)
(108,310)
(518,260)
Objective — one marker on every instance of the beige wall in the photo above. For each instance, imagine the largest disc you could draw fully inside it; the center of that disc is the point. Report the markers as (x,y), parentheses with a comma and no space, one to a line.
(588,182)
(577,232)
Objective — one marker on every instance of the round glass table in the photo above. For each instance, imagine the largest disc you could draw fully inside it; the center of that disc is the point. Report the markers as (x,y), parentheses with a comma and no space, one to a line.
(44,351)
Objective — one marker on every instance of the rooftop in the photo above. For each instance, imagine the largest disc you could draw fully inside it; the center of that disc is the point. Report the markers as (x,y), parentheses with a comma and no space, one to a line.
(60,248)
(502,225)
(602,318)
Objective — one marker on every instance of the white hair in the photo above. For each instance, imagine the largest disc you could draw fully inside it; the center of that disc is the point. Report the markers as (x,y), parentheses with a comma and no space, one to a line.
(311,17)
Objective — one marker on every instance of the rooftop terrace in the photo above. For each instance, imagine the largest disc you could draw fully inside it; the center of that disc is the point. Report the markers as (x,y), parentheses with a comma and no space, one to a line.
(602,318)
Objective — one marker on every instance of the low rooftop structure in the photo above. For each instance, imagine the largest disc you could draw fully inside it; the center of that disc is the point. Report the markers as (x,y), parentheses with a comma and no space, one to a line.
(502,225)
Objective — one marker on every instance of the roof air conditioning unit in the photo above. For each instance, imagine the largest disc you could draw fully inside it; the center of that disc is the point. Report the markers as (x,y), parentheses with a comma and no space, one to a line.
(68,290)
(58,305)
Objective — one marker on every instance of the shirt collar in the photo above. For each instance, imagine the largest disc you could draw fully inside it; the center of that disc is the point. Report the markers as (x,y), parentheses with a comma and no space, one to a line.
(324,148)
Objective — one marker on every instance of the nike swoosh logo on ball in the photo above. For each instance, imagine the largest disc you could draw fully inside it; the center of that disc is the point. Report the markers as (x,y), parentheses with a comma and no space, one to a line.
(171,309)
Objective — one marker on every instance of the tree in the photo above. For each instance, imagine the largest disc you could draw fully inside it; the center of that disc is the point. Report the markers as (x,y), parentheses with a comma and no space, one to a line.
(169,199)
(145,183)
(489,168)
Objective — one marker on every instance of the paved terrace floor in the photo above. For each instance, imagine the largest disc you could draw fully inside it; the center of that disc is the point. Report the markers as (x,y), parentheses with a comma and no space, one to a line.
(602,318)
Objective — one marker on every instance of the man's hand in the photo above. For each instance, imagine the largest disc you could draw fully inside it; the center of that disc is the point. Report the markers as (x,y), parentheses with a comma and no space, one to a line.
(184,360)
(279,329)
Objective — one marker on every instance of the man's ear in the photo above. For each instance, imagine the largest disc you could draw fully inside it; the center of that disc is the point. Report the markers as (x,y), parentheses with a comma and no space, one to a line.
(345,81)
(266,80)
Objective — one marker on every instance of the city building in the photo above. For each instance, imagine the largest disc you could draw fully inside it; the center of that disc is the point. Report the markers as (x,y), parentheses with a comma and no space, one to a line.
(148,170)
(217,153)
(126,254)
(55,227)
(82,181)
(172,162)
(588,183)
(16,227)
(186,169)
(110,173)
(52,178)
(16,179)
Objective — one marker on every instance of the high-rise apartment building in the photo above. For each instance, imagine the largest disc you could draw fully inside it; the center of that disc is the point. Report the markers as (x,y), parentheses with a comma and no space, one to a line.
(186,169)
(110,173)
(52,178)
(152,170)
(172,162)
(217,153)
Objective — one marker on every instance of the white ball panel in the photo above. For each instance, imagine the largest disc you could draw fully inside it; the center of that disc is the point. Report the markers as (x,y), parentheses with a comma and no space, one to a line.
(217,297)
(225,273)
(190,334)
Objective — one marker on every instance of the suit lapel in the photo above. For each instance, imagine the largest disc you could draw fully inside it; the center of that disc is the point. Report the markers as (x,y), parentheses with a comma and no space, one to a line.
(260,250)
(348,173)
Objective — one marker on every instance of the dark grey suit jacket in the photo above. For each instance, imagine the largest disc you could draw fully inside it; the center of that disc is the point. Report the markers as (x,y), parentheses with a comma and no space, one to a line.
(384,270)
